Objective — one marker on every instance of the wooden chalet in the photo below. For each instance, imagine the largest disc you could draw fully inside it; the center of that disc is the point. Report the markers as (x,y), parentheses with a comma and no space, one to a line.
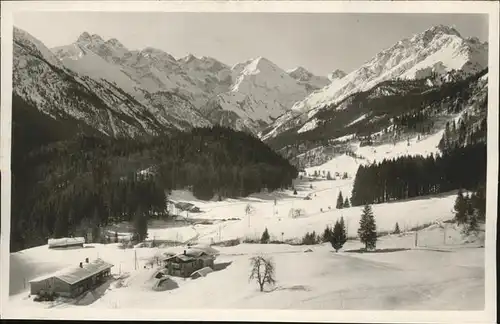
(186,263)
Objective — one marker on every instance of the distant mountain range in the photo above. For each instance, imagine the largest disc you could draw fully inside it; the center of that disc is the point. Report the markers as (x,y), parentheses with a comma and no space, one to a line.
(121,92)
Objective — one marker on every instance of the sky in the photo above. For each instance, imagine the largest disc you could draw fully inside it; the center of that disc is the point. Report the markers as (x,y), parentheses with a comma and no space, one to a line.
(319,42)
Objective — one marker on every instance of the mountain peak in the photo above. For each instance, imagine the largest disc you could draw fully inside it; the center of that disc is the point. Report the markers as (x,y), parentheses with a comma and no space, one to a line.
(84,37)
(115,43)
(449,30)
(300,73)
(189,58)
(336,75)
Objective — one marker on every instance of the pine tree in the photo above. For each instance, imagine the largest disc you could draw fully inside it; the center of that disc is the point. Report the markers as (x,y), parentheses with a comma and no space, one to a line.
(460,208)
(396,229)
(327,234)
(346,203)
(472,225)
(265,237)
(338,237)
(367,229)
(340,201)
(328,176)
(480,203)
(344,229)
(140,225)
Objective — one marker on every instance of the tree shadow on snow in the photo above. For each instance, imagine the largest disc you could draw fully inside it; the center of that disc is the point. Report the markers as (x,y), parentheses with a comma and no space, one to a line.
(377,250)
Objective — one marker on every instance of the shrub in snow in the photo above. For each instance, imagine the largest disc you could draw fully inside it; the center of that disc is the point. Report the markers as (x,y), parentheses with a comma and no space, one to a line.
(396,229)
(471,227)
(294,191)
(262,271)
(311,238)
(295,213)
(249,209)
(460,208)
(367,230)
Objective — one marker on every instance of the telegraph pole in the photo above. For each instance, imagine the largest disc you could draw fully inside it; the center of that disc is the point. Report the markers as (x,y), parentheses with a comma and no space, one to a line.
(135,259)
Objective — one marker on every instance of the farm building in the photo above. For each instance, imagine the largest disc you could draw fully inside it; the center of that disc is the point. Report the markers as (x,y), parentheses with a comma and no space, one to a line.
(73,281)
(184,264)
(66,242)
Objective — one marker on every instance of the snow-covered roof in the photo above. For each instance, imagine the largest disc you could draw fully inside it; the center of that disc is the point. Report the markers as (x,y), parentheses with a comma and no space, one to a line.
(183,258)
(73,274)
(65,241)
(203,271)
(205,248)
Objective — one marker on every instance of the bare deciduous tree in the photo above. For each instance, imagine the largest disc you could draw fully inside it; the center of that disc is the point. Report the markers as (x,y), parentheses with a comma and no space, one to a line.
(262,271)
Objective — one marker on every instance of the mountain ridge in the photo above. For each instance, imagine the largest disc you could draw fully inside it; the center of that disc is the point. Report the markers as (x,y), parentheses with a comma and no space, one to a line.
(417,56)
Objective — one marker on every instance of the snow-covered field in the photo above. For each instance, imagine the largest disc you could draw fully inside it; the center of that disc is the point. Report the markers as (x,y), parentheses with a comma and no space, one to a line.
(444,272)
(420,279)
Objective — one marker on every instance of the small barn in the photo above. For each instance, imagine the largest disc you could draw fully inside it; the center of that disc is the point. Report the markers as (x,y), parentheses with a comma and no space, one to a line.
(72,281)
(65,242)
(184,264)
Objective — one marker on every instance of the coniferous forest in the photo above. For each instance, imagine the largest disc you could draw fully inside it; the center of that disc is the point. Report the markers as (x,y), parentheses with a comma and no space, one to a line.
(414,176)
(68,179)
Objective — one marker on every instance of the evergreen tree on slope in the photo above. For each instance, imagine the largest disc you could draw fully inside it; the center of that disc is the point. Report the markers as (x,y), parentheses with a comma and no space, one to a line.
(367,229)
(460,208)
(338,237)
(340,201)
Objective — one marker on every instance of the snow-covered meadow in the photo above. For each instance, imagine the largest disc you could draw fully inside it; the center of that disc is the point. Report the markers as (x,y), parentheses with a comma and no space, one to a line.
(445,271)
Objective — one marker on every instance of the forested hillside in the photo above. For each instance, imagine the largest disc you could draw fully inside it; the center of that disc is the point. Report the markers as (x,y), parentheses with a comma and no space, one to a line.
(414,176)
(390,110)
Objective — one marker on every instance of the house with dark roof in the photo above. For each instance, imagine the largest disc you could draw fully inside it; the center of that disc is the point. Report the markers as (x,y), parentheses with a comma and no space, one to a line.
(191,260)
(72,281)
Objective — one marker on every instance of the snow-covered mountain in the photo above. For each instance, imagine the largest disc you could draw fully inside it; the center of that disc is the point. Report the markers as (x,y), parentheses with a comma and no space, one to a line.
(149,69)
(261,91)
(310,81)
(248,96)
(87,67)
(440,49)
(41,81)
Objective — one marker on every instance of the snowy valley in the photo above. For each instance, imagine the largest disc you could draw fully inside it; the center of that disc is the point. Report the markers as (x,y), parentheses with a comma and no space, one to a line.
(353,185)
